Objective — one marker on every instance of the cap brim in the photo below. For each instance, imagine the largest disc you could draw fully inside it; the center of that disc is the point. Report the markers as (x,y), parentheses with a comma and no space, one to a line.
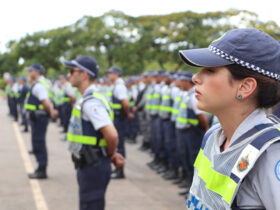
(202,58)
(69,64)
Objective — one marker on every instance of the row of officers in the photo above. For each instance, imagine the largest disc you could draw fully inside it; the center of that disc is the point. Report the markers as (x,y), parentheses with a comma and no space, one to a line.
(237,162)
(97,115)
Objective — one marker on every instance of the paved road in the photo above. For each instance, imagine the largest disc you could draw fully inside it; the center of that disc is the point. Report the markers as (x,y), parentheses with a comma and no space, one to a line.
(143,188)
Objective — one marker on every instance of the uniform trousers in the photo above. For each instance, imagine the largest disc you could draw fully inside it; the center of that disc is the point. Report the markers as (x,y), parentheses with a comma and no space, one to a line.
(120,126)
(93,182)
(38,140)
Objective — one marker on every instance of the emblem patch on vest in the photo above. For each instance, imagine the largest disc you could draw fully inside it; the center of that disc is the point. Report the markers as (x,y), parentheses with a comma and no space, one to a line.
(277,170)
(243,164)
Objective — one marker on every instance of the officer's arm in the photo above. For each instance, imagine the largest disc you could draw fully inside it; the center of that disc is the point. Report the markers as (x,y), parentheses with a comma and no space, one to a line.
(111,137)
(203,121)
(49,108)
(125,105)
(72,99)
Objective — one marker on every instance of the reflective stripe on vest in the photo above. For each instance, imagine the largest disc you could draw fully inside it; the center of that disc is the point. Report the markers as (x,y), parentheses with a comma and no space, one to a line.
(89,140)
(216,182)
(177,100)
(31,107)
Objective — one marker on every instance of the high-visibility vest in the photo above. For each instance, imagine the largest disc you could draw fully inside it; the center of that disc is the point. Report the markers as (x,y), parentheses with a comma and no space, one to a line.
(32,102)
(176,107)
(186,117)
(165,108)
(149,97)
(81,131)
(218,176)
(117,105)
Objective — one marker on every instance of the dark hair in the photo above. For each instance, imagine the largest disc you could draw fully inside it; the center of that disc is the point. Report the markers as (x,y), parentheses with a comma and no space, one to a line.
(268,89)
(91,78)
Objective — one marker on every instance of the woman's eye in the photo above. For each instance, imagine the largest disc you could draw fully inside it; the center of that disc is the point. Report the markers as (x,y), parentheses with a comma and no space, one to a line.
(209,70)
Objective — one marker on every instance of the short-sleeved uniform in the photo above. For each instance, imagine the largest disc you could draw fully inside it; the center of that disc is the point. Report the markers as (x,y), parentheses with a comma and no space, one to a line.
(120,93)
(66,108)
(39,127)
(93,180)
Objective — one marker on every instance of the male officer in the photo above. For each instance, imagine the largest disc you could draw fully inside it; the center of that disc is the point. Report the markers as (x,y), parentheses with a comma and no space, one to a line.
(122,111)
(68,100)
(23,90)
(40,109)
(14,98)
(92,137)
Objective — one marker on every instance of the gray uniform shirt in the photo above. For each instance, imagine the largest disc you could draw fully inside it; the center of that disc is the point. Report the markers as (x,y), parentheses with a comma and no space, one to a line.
(40,91)
(95,111)
(261,187)
(120,90)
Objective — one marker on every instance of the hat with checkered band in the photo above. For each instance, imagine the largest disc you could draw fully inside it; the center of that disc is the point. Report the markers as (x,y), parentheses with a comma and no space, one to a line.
(251,48)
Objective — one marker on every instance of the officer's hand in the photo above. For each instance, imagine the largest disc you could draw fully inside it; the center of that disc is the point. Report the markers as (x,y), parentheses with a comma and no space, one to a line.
(54,113)
(134,109)
(118,160)
(130,116)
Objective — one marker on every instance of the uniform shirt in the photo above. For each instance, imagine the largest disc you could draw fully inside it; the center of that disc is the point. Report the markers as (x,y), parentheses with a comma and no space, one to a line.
(40,91)
(261,187)
(95,111)
(15,88)
(175,91)
(141,86)
(120,90)
(68,89)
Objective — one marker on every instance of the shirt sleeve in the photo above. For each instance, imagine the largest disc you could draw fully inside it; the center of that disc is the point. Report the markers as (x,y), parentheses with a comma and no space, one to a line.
(69,90)
(95,112)
(120,92)
(261,187)
(40,91)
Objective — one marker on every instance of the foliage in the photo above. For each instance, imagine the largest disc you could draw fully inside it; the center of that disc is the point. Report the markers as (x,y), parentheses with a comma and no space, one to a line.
(135,44)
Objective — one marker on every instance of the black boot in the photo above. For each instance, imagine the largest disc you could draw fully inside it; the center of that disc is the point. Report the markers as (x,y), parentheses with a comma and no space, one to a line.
(38,174)
(25,130)
(173,174)
(118,174)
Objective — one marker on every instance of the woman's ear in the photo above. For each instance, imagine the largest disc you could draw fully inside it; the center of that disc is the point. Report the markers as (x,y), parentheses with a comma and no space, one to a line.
(246,88)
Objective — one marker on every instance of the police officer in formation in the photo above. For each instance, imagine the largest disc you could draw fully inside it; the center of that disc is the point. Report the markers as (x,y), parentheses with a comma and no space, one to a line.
(68,100)
(40,109)
(23,91)
(122,111)
(92,137)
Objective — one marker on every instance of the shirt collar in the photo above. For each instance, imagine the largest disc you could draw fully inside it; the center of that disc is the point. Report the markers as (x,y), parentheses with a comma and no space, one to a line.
(91,88)
(255,118)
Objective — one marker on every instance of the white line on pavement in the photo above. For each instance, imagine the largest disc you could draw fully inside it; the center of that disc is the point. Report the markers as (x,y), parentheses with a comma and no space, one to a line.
(35,186)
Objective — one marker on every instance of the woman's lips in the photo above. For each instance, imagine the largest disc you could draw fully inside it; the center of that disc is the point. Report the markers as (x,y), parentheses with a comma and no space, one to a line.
(197,93)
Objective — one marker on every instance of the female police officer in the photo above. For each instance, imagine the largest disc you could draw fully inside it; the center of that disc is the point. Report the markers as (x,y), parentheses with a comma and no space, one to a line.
(92,137)
(238,165)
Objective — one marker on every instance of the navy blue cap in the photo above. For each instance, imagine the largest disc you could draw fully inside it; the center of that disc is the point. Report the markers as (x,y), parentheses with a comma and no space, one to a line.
(185,76)
(114,69)
(23,78)
(149,73)
(250,48)
(36,67)
(161,72)
(85,63)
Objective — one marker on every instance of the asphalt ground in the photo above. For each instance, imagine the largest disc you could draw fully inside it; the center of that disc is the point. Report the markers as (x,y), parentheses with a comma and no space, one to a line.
(142,188)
